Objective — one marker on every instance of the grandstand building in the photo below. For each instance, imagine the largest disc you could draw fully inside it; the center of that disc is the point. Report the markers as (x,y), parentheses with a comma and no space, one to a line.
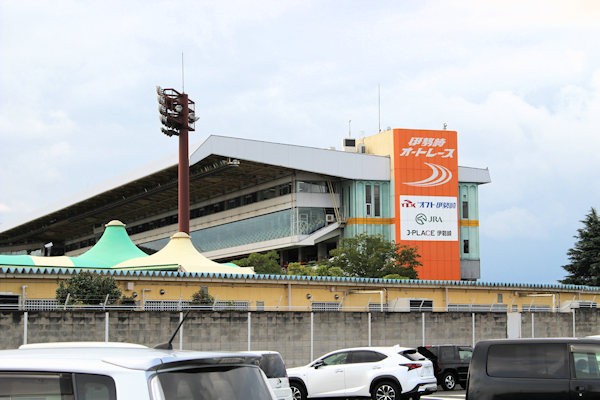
(251,196)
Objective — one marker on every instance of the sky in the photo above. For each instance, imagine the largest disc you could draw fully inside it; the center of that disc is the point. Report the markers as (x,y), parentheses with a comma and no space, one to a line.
(518,80)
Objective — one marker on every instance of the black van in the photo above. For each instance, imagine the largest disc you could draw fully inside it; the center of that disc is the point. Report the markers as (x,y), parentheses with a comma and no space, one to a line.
(535,369)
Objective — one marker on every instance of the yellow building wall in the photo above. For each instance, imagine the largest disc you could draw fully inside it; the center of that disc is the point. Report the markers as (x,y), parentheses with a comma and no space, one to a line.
(299,295)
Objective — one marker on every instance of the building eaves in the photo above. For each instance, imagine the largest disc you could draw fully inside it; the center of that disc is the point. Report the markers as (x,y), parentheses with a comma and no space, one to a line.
(49,271)
(336,163)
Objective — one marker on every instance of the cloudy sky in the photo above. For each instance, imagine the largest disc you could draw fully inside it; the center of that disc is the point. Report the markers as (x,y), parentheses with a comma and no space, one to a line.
(518,80)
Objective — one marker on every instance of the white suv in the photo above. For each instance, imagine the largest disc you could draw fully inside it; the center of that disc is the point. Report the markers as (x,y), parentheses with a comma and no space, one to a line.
(382,373)
(117,371)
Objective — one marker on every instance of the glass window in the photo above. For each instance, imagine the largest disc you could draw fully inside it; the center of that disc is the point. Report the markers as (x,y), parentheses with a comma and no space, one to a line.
(336,359)
(272,365)
(586,361)
(465,210)
(232,382)
(377,200)
(365,356)
(56,386)
(542,360)
(368,200)
(466,246)
(95,387)
(446,353)
(465,353)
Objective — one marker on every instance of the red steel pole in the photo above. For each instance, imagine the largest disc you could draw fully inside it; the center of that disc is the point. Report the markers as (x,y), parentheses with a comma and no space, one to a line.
(184,169)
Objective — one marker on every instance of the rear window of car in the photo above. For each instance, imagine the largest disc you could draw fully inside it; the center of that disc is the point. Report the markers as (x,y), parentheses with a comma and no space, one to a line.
(273,366)
(231,382)
(531,360)
(56,386)
(413,355)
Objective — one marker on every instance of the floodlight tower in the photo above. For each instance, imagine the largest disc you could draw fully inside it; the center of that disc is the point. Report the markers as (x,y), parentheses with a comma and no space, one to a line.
(177,115)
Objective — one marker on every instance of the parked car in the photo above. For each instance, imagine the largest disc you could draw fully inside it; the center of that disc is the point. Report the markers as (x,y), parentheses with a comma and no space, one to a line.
(382,373)
(450,363)
(525,369)
(273,366)
(118,371)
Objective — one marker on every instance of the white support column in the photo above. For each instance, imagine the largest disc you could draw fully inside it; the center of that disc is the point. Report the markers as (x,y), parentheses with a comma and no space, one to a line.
(106,326)
(473,329)
(369,328)
(312,339)
(181,331)
(423,329)
(25,320)
(249,331)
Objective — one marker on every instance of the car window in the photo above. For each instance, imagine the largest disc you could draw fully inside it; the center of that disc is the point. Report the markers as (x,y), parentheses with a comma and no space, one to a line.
(434,350)
(586,361)
(56,386)
(536,360)
(336,359)
(446,353)
(465,353)
(413,355)
(232,382)
(272,365)
(365,356)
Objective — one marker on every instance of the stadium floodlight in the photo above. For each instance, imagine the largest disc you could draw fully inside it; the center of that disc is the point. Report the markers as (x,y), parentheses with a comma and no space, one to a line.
(177,116)
(176,111)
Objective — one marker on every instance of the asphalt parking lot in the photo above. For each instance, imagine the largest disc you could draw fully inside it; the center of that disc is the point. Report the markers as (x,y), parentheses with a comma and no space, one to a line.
(446,395)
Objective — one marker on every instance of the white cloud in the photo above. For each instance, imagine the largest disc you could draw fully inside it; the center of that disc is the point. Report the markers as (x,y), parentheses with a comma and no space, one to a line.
(514,222)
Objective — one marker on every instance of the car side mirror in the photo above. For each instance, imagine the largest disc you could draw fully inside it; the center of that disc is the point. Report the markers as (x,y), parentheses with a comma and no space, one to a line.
(318,363)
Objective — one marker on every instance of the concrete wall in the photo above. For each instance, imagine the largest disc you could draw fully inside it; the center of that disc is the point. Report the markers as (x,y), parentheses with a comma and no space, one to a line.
(299,336)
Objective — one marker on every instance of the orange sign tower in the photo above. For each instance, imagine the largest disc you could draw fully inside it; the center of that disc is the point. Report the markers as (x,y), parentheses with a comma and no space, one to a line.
(426,199)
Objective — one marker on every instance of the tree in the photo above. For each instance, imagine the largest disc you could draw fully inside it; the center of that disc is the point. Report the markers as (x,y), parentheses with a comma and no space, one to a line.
(313,270)
(202,297)
(371,256)
(267,263)
(584,257)
(88,288)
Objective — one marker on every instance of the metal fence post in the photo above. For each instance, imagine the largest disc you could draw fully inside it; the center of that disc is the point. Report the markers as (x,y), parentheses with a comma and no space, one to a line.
(249,331)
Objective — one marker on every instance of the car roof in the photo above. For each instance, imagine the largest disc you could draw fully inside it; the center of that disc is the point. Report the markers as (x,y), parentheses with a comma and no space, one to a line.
(93,357)
(566,340)
(383,349)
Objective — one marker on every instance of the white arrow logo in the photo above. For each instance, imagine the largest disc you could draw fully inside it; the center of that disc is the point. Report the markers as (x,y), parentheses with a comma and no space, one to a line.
(440,175)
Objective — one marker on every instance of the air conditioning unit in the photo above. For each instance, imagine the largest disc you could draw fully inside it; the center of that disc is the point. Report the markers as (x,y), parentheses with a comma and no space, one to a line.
(329,217)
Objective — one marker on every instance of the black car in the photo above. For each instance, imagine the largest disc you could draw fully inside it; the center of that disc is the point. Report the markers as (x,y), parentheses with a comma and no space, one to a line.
(525,369)
(450,363)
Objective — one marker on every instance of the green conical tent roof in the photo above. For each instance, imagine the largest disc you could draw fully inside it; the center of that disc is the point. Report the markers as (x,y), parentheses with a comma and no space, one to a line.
(114,247)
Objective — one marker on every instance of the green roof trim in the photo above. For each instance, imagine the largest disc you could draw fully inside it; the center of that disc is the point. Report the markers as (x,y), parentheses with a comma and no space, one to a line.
(21,260)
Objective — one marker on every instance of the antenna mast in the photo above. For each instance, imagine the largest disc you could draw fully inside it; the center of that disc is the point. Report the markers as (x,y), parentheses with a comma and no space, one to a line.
(379,106)
(182,77)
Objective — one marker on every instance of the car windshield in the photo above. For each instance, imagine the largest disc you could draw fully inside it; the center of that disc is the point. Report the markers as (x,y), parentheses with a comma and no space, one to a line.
(232,382)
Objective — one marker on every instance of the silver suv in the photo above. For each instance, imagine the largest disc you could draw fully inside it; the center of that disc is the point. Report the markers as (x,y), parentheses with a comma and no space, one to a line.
(118,371)
(382,373)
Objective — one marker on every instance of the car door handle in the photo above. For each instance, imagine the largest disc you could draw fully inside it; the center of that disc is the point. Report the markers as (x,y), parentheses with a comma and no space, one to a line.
(339,370)
(377,367)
